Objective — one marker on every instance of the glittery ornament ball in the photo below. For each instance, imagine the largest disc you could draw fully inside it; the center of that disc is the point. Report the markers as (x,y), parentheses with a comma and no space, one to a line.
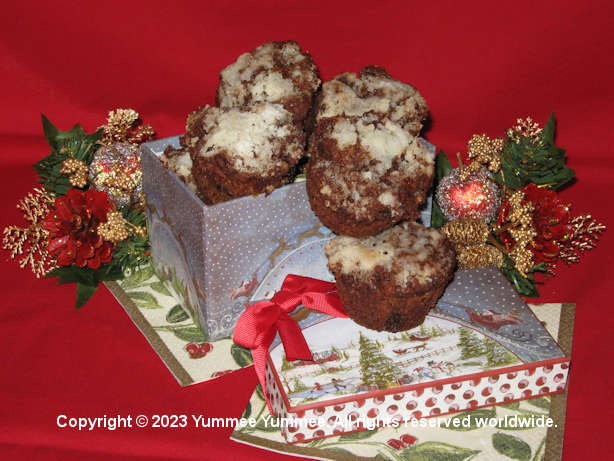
(116,169)
(477,197)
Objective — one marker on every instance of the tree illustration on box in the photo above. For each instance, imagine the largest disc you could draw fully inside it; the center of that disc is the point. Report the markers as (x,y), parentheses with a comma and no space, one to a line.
(375,368)
(497,355)
(298,385)
(435,332)
(470,344)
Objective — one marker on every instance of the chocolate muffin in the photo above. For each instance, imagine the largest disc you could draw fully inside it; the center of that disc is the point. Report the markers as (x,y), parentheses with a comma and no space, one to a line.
(242,151)
(276,72)
(180,163)
(390,281)
(373,93)
(366,174)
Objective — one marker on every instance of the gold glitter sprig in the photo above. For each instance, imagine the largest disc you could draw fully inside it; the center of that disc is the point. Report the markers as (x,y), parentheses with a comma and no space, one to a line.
(520,227)
(117,229)
(124,125)
(486,151)
(121,181)
(525,129)
(585,234)
(522,257)
(31,241)
(76,171)
(482,150)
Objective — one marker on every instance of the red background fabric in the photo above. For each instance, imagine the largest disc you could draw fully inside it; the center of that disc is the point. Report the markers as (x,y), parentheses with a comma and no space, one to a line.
(480,65)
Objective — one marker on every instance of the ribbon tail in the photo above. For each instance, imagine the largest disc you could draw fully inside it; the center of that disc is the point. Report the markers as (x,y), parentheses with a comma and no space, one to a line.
(259,357)
(295,345)
(328,303)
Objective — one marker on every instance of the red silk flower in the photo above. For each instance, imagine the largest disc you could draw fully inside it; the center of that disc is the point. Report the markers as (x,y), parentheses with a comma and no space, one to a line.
(72,224)
(551,220)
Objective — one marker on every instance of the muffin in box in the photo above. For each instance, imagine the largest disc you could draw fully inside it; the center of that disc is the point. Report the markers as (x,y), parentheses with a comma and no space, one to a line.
(237,152)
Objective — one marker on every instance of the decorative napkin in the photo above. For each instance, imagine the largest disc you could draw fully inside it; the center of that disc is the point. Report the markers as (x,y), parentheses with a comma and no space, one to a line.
(172,333)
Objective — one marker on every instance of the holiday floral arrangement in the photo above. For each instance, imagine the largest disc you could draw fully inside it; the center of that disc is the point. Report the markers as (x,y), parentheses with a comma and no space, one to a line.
(86,223)
(503,209)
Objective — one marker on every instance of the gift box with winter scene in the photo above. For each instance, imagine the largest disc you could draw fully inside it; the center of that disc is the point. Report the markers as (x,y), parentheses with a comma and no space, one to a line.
(480,346)
(212,258)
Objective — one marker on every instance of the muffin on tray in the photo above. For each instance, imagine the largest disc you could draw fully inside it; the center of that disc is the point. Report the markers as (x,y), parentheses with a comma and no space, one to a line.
(242,151)
(276,72)
(366,174)
(390,281)
(373,93)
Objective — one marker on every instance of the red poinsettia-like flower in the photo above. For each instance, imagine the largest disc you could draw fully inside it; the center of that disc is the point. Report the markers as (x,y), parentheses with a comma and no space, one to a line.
(72,225)
(551,220)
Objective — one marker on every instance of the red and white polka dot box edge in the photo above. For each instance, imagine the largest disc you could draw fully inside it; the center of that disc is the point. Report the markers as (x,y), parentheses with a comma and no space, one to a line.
(435,398)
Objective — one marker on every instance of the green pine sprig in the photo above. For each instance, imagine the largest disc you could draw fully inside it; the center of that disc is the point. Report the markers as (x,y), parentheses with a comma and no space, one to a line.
(74,143)
(527,160)
(134,251)
(443,167)
(524,285)
(87,279)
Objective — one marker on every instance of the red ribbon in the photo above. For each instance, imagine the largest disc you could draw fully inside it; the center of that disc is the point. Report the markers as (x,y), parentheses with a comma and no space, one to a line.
(257,327)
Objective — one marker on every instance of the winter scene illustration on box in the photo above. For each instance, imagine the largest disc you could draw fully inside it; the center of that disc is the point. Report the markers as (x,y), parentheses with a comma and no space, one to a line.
(349,359)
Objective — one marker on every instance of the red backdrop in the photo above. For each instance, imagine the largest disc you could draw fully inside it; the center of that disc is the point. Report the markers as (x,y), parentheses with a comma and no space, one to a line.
(479,65)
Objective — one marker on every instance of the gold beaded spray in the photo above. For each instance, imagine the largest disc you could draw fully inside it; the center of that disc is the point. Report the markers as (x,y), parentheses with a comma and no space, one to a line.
(117,229)
(76,170)
(525,129)
(584,236)
(32,241)
(483,151)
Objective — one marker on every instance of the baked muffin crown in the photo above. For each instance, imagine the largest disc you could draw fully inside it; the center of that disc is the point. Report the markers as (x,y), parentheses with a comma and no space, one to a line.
(257,140)
(372,93)
(276,72)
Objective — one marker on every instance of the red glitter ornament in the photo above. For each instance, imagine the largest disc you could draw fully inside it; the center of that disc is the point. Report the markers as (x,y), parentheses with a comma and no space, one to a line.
(477,197)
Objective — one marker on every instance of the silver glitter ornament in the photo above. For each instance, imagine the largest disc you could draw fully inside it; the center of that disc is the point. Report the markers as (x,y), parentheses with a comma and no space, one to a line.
(478,197)
(116,170)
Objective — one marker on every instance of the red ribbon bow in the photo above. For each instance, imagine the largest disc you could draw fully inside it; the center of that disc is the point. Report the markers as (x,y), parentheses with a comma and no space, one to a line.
(257,327)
